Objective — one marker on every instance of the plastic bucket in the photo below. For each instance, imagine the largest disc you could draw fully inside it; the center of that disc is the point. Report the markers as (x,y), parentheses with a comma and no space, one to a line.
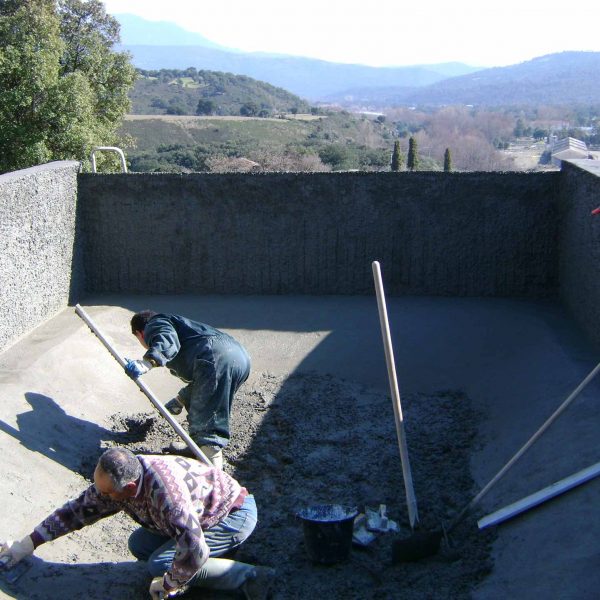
(328,532)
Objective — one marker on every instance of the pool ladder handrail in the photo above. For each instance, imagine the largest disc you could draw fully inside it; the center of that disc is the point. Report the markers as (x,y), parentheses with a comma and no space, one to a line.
(108,149)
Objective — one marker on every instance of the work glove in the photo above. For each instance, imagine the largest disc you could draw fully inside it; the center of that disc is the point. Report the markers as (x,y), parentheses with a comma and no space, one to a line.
(13,552)
(157,590)
(136,368)
(174,406)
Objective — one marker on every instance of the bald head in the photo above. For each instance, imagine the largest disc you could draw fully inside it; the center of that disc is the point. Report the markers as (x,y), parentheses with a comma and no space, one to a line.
(121,466)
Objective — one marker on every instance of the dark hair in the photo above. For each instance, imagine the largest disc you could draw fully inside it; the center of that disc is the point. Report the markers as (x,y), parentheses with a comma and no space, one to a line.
(140,320)
(121,466)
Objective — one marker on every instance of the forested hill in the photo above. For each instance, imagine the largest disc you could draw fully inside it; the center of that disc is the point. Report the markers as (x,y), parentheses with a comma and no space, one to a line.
(566,78)
(192,92)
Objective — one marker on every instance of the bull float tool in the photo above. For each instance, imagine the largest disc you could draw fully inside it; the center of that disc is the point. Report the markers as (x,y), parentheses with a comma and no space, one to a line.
(411,548)
(146,390)
(411,500)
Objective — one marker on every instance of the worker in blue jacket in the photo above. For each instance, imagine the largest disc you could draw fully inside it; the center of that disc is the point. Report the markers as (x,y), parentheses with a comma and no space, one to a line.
(212,363)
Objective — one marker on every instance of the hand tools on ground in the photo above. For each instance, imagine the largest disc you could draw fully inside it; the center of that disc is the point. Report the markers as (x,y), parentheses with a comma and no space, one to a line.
(407,549)
(146,390)
(411,500)
(537,498)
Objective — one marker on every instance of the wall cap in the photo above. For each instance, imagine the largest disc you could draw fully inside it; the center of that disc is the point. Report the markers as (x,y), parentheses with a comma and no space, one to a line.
(586,164)
(52,166)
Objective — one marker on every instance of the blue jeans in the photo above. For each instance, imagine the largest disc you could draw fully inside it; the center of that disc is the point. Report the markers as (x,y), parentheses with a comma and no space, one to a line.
(159,550)
(218,373)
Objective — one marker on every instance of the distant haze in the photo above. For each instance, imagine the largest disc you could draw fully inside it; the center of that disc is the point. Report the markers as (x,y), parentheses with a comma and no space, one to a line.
(384,32)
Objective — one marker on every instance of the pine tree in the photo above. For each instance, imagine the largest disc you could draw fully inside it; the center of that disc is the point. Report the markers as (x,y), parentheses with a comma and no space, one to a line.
(397,157)
(447,161)
(413,155)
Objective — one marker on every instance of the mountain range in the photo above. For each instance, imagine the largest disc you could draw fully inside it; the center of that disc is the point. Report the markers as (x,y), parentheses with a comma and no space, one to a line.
(562,78)
(162,45)
(565,78)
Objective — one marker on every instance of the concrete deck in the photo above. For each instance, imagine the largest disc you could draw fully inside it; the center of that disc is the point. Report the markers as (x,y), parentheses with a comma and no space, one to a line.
(517,361)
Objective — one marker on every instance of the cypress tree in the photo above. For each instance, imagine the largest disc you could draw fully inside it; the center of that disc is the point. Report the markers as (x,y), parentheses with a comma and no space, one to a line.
(413,156)
(397,157)
(447,161)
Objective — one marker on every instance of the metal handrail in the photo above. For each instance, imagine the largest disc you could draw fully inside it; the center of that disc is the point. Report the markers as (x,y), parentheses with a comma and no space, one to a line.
(109,149)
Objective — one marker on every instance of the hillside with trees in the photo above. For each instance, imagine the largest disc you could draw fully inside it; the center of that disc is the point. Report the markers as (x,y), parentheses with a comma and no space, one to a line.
(194,92)
(330,141)
(63,88)
(455,138)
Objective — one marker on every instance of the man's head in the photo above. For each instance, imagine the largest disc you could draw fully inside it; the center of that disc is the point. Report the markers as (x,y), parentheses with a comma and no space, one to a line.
(139,322)
(117,473)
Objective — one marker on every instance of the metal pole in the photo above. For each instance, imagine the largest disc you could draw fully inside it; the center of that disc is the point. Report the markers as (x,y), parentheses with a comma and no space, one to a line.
(108,149)
(146,390)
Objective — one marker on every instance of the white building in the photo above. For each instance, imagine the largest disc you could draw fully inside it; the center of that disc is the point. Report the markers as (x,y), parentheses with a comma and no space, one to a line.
(568,148)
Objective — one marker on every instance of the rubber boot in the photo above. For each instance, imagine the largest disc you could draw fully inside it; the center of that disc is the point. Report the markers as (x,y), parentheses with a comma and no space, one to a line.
(260,584)
(174,406)
(213,453)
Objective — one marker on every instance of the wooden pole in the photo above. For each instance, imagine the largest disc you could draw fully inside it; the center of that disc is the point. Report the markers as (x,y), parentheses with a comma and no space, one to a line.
(411,500)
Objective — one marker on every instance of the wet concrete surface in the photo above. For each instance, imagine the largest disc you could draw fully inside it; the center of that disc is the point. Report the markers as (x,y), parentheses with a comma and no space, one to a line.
(516,361)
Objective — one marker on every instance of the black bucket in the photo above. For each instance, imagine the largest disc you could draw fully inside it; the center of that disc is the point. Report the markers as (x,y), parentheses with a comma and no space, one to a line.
(328,532)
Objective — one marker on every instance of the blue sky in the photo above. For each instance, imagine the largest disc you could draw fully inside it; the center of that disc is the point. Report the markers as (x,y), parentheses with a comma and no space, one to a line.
(386,32)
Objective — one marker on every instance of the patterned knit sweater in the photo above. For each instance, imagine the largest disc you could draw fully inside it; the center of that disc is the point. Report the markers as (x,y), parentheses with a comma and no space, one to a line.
(176,496)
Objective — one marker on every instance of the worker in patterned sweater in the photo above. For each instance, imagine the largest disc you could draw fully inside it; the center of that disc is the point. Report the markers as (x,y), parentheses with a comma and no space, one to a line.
(211,362)
(190,514)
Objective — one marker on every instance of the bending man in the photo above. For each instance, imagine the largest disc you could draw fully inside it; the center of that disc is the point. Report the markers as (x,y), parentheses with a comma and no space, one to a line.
(212,363)
(190,513)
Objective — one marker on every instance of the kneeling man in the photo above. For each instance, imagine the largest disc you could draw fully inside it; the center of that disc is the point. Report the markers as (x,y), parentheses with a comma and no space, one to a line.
(189,513)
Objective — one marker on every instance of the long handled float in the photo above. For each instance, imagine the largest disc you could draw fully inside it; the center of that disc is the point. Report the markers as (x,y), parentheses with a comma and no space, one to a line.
(146,390)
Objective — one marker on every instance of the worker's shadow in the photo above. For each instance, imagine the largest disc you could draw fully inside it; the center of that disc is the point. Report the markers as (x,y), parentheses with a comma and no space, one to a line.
(92,581)
(70,441)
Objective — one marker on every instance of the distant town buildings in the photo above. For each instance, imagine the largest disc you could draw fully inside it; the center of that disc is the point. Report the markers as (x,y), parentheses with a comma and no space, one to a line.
(567,148)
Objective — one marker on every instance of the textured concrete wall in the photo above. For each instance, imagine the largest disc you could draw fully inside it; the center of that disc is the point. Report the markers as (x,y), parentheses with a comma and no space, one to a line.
(466,234)
(580,243)
(37,236)
(477,234)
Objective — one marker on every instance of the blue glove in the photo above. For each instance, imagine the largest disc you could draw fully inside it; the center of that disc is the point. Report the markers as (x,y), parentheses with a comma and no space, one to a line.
(136,368)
